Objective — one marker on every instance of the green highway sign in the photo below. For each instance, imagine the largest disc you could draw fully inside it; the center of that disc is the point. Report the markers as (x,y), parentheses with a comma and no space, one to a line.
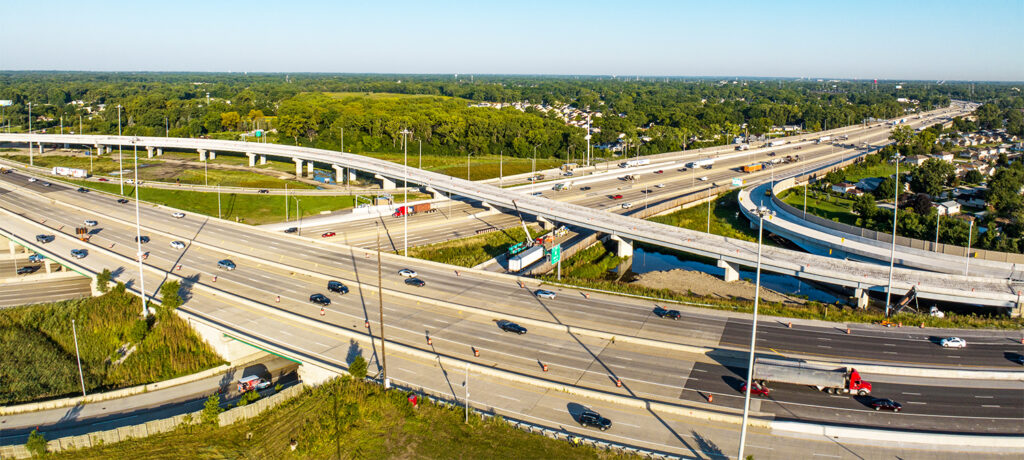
(556,253)
(259,133)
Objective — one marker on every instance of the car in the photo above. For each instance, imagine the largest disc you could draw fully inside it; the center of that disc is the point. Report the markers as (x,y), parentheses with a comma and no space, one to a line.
(584,189)
(337,286)
(44,238)
(252,382)
(142,239)
(36,258)
(567,173)
(627,205)
(320,299)
(545,294)
(122,200)
(659,171)
(771,154)
(91,223)
(26,270)
(660,186)
(226,264)
(415,282)
(178,244)
(797,147)
(32,179)
(178,215)
(703,178)
(617,197)
(887,404)
(328,235)
(263,190)
(82,190)
(1020,359)
(509,326)
(291,229)
(46,184)
(670,314)
(408,273)
(104,179)
(757,389)
(537,194)
(953,342)
(79,253)
(129,181)
(681,170)
(594,419)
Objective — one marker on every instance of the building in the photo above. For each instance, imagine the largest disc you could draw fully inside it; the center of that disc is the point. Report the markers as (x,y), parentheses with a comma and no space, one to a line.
(944,156)
(916,160)
(947,208)
(844,187)
(869,184)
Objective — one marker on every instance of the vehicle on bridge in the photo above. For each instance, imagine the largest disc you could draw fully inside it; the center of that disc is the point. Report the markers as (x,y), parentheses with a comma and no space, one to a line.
(756,390)
(337,286)
(44,238)
(887,404)
(544,294)
(407,272)
(509,326)
(226,264)
(415,282)
(320,299)
(753,167)
(705,163)
(953,342)
(79,253)
(634,163)
(832,380)
(36,258)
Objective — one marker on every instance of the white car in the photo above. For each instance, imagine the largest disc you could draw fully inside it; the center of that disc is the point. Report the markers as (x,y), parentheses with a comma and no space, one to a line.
(32,179)
(178,215)
(953,342)
(627,205)
(545,294)
(408,273)
(177,244)
(703,178)
(91,223)
(129,181)
(660,185)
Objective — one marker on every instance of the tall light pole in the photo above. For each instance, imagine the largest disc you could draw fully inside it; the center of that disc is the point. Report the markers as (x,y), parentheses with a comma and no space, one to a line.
(120,159)
(298,215)
(31,162)
(761,212)
(938,218)
(967,255)
(78,357)
(380,292)
(405,187)
(138,230)
(892,251)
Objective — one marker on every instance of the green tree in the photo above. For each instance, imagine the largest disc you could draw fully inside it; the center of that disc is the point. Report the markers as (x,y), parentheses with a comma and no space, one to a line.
(864,206)
(211,410)
(229,120)
(103,281)
(835,176)
(902,135)
(931,176)
(973,177)
(36,444)
(886,189)
(357,368)
(170,295)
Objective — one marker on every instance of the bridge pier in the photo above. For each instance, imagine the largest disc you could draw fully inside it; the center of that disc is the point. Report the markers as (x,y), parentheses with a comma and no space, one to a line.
(862,298)
(110,148)
(202,155)
(732,270)
(309,168)
(252,159)
(314,375)
(339,174)
(46,265)
(149,152)
(623,246)
(213,155)
(99,149)
(547,225)
(159,151)
(386,184)
(298,167)
(228,348)
(41,148)
(263,159)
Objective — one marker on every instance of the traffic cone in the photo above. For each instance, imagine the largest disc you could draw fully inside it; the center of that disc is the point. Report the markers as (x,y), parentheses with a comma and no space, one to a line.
(922,324)
(214,278)
(476,352)
(847,330)
(545,367)
(789,325)
(430,341)
(322,311)
(711,397)
(278,298)
(899,324)
(367,324)
(618,383)
(457,273)
(586,294)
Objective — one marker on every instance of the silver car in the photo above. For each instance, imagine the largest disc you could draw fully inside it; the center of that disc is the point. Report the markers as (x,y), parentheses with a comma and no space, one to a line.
(177,244)
(545,294)
(79,253)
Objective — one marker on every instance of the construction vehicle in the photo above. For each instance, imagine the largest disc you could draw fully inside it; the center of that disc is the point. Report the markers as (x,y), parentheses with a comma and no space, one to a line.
(830,379)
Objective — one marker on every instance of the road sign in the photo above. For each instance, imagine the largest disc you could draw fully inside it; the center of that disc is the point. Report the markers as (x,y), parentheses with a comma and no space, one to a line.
(259,133)
(6,102)
(737,182)
(556,253)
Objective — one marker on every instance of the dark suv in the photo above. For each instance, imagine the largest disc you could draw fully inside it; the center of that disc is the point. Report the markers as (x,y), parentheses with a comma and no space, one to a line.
(509,326)
(591,418)
(320,299)
(336,286)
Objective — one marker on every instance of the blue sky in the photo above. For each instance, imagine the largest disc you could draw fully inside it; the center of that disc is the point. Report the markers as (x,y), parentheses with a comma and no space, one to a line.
(928,40)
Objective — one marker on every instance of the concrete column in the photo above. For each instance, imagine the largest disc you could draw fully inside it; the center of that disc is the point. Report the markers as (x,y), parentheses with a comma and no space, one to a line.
(99,149)
(298,167)
(487,206)
(861,295)
(252,159)
(623,246)
(386,184)
(41,148)
(339,174)
(149,152)
(46,264)
(732,270)
(433,193)
(547,225)
(351,175)
(159,151)
(11,246)
(213,155)
(202,155)
(309,168)
(110,148)
(263,159)
(315,375)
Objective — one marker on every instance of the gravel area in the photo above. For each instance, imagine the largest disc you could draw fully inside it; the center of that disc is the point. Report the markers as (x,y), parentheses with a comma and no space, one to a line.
(703,284)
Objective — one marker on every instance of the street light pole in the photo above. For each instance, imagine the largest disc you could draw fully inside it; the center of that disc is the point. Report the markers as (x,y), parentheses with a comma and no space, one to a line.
(120,159)
(138,230)
(405,186)
(298,215)
(78,357)
(892,251)
(761,212)
(380,292)
(967,255)
(938,218)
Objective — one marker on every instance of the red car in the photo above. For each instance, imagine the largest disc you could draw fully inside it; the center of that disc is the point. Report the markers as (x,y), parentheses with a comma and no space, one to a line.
(328,234)
(617,197)
(758,389)
(104,179)
(658,171)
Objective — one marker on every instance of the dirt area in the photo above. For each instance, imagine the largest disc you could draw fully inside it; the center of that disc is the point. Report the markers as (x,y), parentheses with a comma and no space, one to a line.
(703,284)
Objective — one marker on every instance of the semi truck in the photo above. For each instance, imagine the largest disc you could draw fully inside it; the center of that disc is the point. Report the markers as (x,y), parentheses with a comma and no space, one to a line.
(701,163)
(71,172)
(563,186)
(411,210)
(525,258)
(823,139)
(753,167)
(777,143)
(830,379)
(634,163)
(742,147)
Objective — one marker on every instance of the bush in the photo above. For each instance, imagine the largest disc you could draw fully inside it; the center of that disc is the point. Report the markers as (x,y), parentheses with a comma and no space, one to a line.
(169,295)
(103,281)
(357,368)
(36,444)
(211,410)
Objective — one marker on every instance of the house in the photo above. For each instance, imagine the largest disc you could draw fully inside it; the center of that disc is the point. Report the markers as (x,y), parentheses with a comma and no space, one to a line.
(947,208)
(944,156)
(869,184)
(844,187)
(916,160)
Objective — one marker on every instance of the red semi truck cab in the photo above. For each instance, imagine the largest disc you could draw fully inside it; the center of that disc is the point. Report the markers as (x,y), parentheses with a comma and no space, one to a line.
(856,384)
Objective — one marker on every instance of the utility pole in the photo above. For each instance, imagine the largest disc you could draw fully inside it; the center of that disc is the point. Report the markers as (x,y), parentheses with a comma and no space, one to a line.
(501,160)
(78,357)
(380,292)
(467,393)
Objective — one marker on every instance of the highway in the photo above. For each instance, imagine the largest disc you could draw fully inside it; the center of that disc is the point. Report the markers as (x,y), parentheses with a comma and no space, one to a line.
(38,289)
(585,361)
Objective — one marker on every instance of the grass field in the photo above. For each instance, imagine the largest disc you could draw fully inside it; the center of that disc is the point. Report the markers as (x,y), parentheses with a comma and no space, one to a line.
(101,165)
(724,219)
(247,208)
(37,351)
(854,174)
(480,167)
(469,252)
(822,205)
(343,419)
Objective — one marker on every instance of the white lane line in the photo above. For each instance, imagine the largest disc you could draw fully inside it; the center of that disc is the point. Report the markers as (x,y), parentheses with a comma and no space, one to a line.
(989,405)
(507,397)
(824,346)
(889,352)
(916,402)
(698,370)
(909,393)
(983,397)
(827,455)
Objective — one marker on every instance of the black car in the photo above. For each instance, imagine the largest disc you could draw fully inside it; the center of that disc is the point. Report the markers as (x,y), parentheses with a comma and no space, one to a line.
(670,314)
(584,189)
(886,404)
(83,190)
(337,286)
(591,418)
(291,229)
(320,299)
(27,270)
(144,238)
(122,200)
(415,282)
(264,190)
(44,238)
(509,326)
